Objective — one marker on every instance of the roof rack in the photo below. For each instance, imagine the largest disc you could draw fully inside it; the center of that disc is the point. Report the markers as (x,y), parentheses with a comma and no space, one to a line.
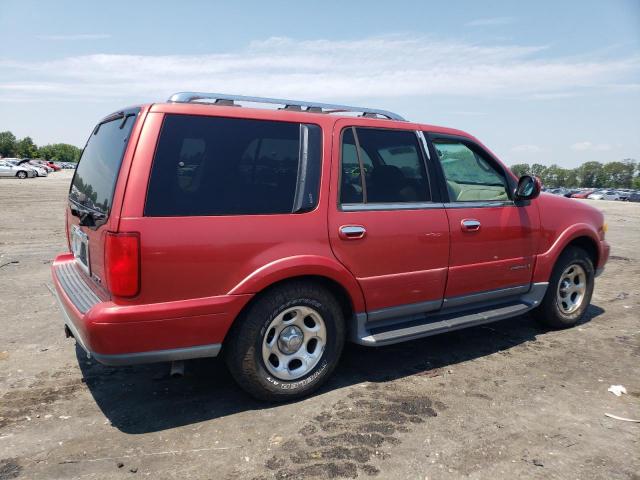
(312,107)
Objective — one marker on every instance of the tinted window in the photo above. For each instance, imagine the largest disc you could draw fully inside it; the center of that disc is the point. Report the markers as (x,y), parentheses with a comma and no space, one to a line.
(97,172)
(392,167)
(470,176)
(225,166)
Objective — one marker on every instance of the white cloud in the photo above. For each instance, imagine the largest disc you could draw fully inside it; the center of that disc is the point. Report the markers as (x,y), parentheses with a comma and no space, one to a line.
(76,36)
(588,146)
(390,66)
(490,22)
(527,148)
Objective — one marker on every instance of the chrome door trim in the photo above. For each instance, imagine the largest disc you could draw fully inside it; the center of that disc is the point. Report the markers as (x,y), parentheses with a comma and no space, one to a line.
(359,207)
(485,204)
(423,141)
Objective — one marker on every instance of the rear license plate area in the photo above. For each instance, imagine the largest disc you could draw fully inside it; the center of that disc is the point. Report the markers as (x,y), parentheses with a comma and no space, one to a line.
(80,248)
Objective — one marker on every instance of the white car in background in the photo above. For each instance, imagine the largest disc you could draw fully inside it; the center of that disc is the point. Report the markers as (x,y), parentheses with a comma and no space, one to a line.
(40,170)
(18,162)
(7,169)
(604,195)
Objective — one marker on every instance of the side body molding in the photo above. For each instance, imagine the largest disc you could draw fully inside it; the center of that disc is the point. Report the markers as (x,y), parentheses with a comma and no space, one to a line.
(299,266)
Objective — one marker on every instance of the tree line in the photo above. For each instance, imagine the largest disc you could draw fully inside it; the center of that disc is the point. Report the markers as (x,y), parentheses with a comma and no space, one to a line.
(10,146)
(624,174)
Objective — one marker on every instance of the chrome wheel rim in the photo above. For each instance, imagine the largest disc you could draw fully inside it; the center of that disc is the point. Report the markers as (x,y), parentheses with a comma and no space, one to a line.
(293,342)
(571,289)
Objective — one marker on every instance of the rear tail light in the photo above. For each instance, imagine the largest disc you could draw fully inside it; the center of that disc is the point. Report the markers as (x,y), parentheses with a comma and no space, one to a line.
(122,263)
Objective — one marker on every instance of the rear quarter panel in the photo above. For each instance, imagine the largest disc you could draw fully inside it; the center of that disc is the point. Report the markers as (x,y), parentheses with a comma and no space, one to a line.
(205,256)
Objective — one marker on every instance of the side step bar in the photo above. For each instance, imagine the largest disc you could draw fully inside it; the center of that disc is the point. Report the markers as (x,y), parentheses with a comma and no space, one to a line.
(447,319)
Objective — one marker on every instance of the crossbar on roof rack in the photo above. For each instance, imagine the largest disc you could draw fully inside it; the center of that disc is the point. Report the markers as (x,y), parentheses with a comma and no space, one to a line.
(221,98)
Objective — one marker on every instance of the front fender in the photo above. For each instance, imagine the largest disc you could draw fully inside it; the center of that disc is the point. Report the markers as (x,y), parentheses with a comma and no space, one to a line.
(546,260)
(299,266)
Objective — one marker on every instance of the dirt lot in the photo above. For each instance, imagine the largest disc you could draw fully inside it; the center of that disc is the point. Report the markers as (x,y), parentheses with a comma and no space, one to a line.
(507,400)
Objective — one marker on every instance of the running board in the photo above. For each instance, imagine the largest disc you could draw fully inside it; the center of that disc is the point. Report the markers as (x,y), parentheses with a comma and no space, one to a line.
(447,319)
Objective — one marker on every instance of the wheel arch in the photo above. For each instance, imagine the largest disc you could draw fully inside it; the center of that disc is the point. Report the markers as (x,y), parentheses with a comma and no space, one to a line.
(313,268)
(580,235)
(338,290)
(323,271)
(587,244)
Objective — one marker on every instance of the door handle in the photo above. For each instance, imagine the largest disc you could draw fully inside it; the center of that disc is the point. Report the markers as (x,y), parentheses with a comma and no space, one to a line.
(470,225)
(351,232)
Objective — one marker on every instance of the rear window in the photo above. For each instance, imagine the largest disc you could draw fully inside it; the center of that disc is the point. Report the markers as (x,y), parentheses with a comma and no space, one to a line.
(229,166)
(95,178)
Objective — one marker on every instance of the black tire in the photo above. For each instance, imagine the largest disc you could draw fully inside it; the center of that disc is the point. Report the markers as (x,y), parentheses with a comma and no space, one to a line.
(549,312)
(21,175)
(242,350)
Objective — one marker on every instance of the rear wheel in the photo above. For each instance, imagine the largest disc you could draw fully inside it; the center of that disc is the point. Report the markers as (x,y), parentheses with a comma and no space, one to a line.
(570,290)
(287,343)
(21,174)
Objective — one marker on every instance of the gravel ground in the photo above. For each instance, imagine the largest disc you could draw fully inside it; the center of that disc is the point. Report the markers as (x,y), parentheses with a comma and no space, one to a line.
(506,400)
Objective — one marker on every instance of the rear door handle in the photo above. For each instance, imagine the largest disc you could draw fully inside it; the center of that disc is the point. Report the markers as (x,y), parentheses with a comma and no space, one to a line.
(351,232)
(470,225)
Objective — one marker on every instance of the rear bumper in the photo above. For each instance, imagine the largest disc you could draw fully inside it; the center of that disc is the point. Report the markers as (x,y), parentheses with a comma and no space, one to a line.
(116,334)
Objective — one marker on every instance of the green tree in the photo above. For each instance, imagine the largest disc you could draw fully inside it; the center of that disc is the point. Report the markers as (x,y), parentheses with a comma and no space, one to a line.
(25,148)
(7,144)
(618,174)
(572,178)
(60,152)
(555,176)
(538,170)
(520,169)
(591,175)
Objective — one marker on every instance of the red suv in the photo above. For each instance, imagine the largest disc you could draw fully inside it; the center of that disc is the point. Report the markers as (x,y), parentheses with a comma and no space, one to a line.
(199,227)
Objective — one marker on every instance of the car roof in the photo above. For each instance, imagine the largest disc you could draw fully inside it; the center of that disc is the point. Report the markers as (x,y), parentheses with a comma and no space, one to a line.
(292,115)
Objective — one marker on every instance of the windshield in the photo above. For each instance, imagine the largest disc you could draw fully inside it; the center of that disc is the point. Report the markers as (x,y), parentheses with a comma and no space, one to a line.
(95,177)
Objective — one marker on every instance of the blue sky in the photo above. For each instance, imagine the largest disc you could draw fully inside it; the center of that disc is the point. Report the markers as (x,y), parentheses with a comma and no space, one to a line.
(544,81)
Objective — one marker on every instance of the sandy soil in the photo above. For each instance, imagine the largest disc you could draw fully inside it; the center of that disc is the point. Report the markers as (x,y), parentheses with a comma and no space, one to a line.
(507,400)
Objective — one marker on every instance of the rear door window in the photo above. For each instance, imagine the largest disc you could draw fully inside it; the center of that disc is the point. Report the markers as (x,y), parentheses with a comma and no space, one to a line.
(228,166)
(95,178)
(382,166)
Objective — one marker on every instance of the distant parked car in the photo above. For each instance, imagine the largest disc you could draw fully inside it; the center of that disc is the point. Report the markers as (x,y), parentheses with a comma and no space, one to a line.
(43,164)
(604,195)
(8,169)
(53,166)
(634,197)
(39,169)
(624,194)
(570,193)
(582,194)
(17,161)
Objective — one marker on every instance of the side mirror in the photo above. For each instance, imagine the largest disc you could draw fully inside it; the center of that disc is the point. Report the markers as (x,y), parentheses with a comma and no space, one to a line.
(528,188)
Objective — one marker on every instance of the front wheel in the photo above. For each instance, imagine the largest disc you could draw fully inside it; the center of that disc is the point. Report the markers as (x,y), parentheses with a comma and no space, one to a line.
(287,343)
(21,174)
(570,290)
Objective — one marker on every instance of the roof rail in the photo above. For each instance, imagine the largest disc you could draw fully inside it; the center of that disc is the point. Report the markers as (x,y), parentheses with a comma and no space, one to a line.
(312,107)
